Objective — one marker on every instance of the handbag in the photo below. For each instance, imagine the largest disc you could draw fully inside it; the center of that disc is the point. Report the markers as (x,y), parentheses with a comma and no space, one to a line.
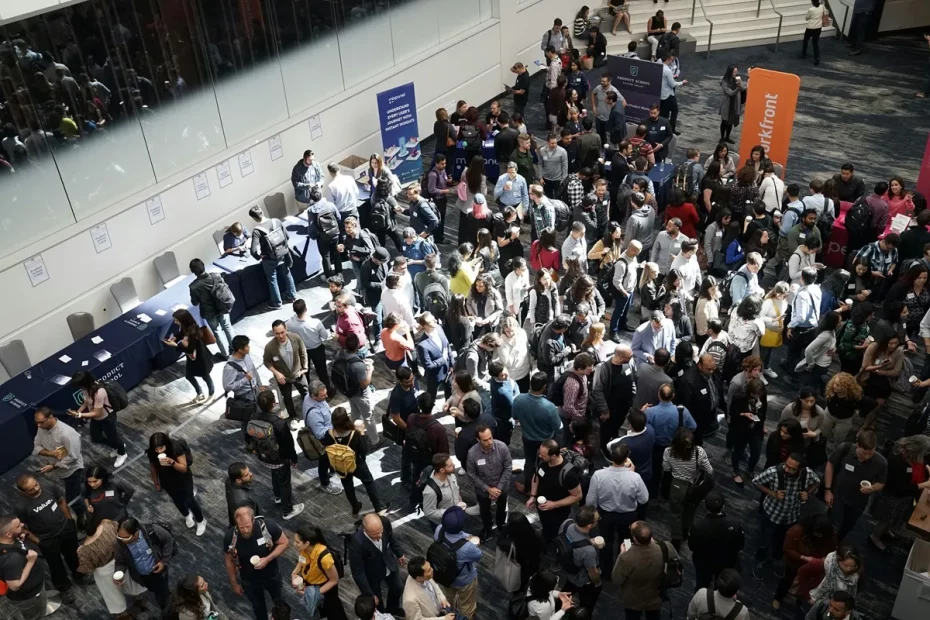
(825,20)
(587,62)
(507,570)
(700,484)
(771,339)
(240,409)
(207,335)
(311,446)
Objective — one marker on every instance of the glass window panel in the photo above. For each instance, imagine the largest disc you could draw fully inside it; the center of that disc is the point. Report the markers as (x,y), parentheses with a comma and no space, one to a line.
(365,42)
(307,38)
(247,77)
(459,16)
(414,27)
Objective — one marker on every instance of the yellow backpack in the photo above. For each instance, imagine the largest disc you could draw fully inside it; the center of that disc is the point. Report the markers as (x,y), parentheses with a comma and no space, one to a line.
(341,457)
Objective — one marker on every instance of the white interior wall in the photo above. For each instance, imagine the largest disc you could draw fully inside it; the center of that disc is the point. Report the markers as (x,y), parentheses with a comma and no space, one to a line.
(80,278)
(904,14)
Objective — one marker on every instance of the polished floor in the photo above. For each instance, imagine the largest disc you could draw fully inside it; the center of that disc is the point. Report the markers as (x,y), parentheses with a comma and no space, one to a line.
(852,109)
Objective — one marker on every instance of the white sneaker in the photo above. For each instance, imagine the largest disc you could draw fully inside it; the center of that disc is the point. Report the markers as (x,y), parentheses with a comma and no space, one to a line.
(293,424)
(331,488)
(201,528)
(768,372)
(298,508)
(764,380)
(120,460)
(277,500)
(189,520)
(473,510)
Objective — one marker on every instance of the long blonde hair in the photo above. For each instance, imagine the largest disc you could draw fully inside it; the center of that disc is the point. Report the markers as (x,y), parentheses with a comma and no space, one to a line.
(596,332)
(780,288)
(650,273)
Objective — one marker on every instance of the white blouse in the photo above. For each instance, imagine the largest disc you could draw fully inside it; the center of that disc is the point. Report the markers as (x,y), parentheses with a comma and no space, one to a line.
(514,354)
(516,288)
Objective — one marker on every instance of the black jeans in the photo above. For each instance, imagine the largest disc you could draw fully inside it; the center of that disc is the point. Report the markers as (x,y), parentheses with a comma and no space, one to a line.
(440,235)
(281,486)
(191,375)
(332,261)
(255,592)
(551,520)
(395,237)
(74,485)
(395,587)
(484,505)
(160,587)
(615,527)
(318,359)
(844,516)
(771,537)
(433,383)
(184,501)
(669,109)
(504,431)
(299,384)
(812,35)
(60,551)
(105,431)
(858,28)
(740,441)
(348,485)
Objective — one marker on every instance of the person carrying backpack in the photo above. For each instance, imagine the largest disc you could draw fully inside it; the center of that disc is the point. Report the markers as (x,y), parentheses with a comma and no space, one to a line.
(325,226)
(578,556)
(268,437)
(437,488)
(211,294)
(556,482)
(100,402)
(455,557)
(645,572)
(346,449)
(719,603)
(270,247)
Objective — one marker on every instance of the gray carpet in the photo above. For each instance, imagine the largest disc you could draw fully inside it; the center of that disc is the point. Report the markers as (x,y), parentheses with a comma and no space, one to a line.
(860,110)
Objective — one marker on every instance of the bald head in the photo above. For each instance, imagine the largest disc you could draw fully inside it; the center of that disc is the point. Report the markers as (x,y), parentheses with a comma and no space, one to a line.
(707,364)
(641,532)
(373,526)
(622,354)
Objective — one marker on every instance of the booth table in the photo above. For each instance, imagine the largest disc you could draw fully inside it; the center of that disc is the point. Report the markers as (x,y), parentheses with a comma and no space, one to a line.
(920,518)
(663,177)
(834,253)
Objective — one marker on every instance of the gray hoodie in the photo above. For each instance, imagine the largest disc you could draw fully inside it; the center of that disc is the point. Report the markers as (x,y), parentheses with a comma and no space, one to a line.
(641,226)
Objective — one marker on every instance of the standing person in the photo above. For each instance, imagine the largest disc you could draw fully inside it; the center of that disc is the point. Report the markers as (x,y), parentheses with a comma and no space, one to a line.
(721,601)
(618,493)
(854,471)
(715,542)
(842,570)
(252,547)
(198,362)
(286,357)
(211,294)
(805,316)
(445,134)
(601,107)
(489,469)
(343,192)
(440,489)
(785,487)
(702,395)
(462,593)
(575,393)
(437,190)
(144,554)
(240,376)
(840,606)
(665,418)
(434,353)
(318,418)
(422,598)
(170,463)
(239,490)
(503,391)
(270,247)
(192,600)
(96,556)
(682,460)
(553,161)
(521,88)
(809,540)
(539,422)
(376,559)
(624,285)
(273,444)
(313,334)
(861,21)
(815,23)
(612,391)
(349,322)
(818,355)
(96,407)
(59,445)
(106,498)
(23,570)
(584,572)
(640,572)
(306,176)
(558,482)
(345,435)
(747,414)
(907,476)
(732,107)
(668,103)
(47,517)
(553,73)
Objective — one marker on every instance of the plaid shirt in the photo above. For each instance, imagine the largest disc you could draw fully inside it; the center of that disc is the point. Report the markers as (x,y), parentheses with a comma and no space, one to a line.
(879,261)
(575,191)
(788,510)
(544,215)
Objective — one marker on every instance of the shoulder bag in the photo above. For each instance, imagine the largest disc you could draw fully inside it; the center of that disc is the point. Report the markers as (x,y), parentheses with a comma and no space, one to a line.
(772,339)
(507,570)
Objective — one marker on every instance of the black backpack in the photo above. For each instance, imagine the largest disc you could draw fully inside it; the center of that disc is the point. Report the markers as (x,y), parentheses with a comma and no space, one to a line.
(563,215)
(436,299)
(383,186)
(859,218)
(726,298)
(711,613)
(275,239)
(261,440)
(826,220)
(416,443)
(327,225)
(469,135)
(684,179)
(664,45)
(116,394)
(442,555)
(416,491)
(672,571)
(340,374)
(565,549)
(221,295)
(380,215)
(557,391)
(337,562)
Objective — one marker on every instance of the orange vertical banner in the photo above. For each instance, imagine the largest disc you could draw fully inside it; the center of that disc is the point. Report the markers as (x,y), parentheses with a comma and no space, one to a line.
(768,116)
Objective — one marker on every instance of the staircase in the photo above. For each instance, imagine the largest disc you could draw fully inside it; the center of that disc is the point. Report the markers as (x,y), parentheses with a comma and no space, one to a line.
(735,22)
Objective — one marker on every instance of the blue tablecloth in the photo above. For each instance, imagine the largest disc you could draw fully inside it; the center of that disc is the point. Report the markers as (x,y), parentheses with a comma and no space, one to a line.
(662,177)
(491,167)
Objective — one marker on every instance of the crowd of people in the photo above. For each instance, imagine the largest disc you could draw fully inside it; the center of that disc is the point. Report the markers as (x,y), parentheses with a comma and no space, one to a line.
(606,354)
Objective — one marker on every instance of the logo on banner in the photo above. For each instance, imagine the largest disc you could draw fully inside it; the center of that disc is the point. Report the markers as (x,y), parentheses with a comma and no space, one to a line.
(634,70)
(78,397)
(13,401)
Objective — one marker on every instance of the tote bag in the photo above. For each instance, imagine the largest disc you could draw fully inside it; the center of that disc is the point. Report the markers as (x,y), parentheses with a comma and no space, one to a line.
(772,339)
(507,571)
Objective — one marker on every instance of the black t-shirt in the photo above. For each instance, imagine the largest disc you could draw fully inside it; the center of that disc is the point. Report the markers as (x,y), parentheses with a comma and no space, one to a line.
(42,514)
(549,485)
(12,565)
(258,544)
(522,83)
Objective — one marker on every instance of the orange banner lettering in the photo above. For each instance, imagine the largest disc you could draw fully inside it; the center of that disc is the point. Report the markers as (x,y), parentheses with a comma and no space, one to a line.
(768,116)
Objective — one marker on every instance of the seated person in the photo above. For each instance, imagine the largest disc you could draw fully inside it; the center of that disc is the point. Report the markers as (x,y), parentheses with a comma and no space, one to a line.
(235,240)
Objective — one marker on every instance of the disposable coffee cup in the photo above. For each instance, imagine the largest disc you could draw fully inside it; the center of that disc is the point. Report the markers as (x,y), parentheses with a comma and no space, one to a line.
(162,456)
(848,302)
(118,575)
(255,560)
(296,581)
(359,425)
(541,500)
(913,379)
(598,542)
(865,484)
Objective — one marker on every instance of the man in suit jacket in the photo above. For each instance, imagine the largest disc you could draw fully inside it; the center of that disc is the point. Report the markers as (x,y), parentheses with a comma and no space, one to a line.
(616,121)
(702,394)
(433,351)
(650,377)
(286,357)
(423,599)
(376,559)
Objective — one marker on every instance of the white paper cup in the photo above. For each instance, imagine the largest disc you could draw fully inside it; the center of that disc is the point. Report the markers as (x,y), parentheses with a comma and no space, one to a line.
(162,456)
(255,560)
(118,575)
(297,581)
(865,484)
(541,500)
(598,542)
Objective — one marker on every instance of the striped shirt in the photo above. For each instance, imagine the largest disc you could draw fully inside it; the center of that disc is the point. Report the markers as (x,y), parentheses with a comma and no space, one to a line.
(684,470)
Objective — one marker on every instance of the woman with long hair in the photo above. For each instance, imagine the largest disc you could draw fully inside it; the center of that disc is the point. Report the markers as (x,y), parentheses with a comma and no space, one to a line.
(672,288)
(845,398)
(544,252)
(724,160)
(473,182)
(818,355)
(734,254)
(787,439)
(807,412)
(757,160)
(842,569)
(707,308)
(853,338)
(192,600)
(463,388)
(484,305)
(680,206)
(894,320)
(517,286)
(675,310)
(575,268)
(463,269)
(713,234)
(900,201)
(345,433)
(315,576)
(514,353)
(912,291)
(489,254)
(681,460)
(199,361)
(527,543)
(105,496)
(584,291)
(908,475)
(758,242)
(748,411)
(171,472)
(773,316)
(96,407)
(744,194)
(444,133)
(595,345)
(606,251)
(648,290)
(545,303)
(810,539)
(96,556)
(881,365)
(397,340)
(833,291)
(543,601)
(459,327)
(865,286)
(731,108)
(746,328)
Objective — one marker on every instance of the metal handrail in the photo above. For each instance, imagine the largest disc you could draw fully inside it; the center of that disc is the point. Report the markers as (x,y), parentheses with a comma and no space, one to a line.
(710,33)
(781,18)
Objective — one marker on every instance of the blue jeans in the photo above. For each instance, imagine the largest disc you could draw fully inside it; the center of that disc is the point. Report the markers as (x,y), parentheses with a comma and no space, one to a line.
(275,269)
(622,304)
(216,323)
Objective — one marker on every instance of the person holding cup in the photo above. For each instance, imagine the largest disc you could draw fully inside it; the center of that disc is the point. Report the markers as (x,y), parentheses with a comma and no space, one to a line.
(854,471)
(253,546)
(143,554)
(315,576)
(584,574)
(556,486)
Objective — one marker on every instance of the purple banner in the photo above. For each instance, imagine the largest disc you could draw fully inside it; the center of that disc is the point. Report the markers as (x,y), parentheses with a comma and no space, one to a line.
(640,83)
